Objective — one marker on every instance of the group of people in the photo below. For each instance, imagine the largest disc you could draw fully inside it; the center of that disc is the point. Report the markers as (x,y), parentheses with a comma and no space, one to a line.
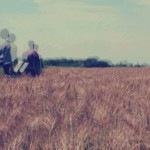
(31,60)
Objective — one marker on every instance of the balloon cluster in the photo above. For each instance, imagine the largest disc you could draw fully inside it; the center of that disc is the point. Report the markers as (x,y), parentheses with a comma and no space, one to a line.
(5,35)
(9,37)
(33,46)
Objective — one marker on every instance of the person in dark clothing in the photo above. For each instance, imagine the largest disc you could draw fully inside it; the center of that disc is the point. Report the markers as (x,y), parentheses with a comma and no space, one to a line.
(5,51)
(34,63)
(32,57)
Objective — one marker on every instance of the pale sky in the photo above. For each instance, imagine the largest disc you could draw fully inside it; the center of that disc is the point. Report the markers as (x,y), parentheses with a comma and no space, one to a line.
(110,29)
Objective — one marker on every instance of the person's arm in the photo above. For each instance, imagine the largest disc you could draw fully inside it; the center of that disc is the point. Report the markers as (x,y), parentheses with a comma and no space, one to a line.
(0,52)
(1,49)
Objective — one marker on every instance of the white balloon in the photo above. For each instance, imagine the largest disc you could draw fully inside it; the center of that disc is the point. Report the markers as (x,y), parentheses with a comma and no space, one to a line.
(4,33)
(36,47)
(11,37)
(31,44)
(13,51)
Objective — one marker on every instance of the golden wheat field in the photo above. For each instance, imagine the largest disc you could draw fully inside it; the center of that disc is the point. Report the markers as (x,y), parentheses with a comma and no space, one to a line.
(76,109)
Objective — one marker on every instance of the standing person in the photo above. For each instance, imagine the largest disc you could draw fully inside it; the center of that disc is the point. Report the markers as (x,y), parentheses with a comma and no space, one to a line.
(5,52)
(7,61)
(32,57)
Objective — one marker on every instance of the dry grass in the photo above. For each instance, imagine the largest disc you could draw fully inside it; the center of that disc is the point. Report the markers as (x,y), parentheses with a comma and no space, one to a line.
(76,109)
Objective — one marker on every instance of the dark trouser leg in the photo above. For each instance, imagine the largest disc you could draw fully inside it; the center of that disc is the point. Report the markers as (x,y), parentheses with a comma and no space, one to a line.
(38,66)
(30,68)
(7,69)
(34,64)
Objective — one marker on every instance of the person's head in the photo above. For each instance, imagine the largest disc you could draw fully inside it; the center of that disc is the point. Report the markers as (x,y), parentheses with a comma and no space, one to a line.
(31,44)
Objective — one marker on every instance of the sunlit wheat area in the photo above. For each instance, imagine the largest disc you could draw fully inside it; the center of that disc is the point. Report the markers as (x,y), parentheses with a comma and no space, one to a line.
(76,109)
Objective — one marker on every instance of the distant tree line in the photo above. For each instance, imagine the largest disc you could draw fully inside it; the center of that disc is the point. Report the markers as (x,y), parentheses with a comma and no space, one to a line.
(89,63)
